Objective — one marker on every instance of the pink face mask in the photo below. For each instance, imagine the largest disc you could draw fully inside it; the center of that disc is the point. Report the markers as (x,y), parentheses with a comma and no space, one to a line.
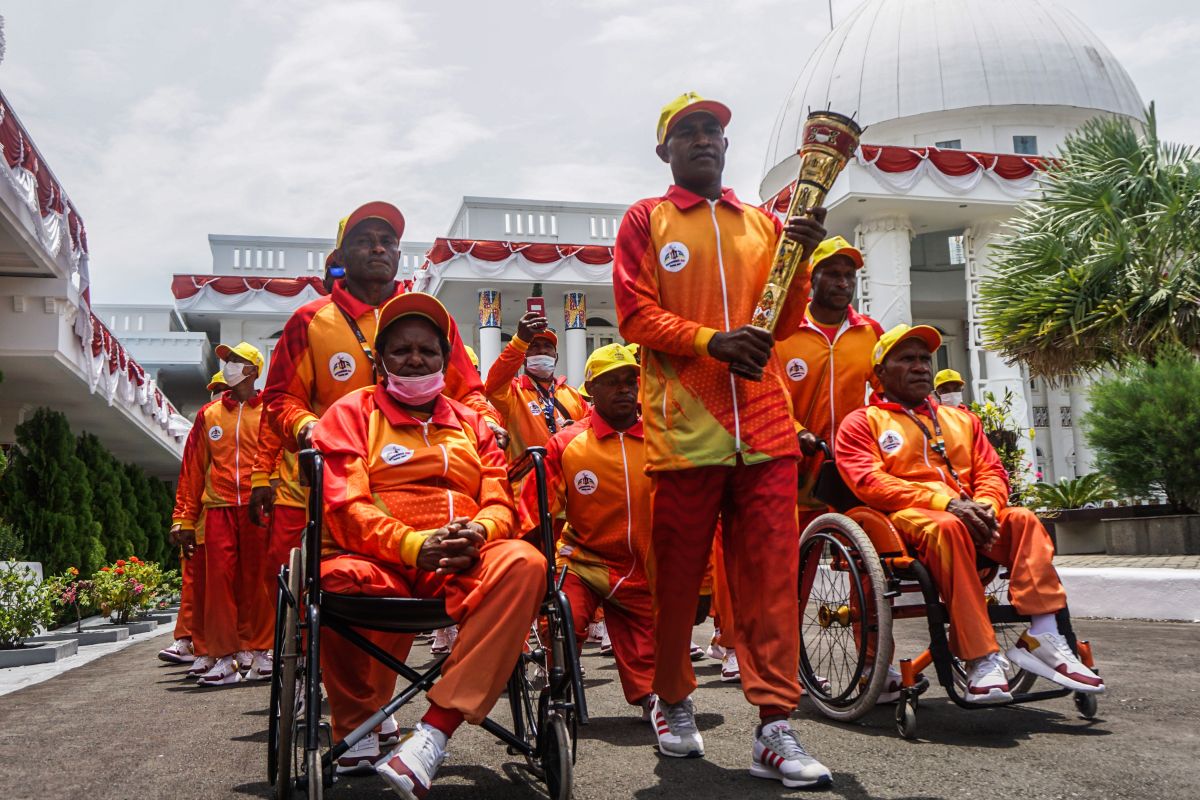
(416,390)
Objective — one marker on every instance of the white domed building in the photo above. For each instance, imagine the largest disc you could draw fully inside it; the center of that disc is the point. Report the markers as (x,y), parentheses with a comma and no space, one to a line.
(959,98)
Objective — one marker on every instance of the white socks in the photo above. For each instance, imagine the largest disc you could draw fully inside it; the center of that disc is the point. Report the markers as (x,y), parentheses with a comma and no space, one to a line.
(1042,623)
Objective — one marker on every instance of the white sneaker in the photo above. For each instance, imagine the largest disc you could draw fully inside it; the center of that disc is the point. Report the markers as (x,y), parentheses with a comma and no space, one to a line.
(389,733)
(715,650)
(891,687)
(605,642)
(411,767)
(443,640)
(201,665)
(261,667)
(696,653)
(178,653)
(647,706)
(730,671)
(223,673)
(779,755)
(596,632)
(245,659)
(986,680)
(1049,656)
(675,726)
(360,759)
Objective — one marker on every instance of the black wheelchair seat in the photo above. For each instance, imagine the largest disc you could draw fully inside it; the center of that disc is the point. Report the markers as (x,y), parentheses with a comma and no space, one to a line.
(388,614)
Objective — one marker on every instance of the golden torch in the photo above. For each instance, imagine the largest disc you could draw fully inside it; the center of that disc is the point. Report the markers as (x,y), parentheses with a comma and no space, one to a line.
(829,141)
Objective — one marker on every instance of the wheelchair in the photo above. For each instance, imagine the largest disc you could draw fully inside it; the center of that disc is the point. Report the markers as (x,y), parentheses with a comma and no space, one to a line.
(865,578)
(545,691)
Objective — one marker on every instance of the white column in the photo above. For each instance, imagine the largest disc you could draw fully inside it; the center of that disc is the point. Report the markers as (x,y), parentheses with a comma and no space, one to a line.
(575,335)
(884,284)
(990,372)
(1061,459)
(489,329)
(1081,403)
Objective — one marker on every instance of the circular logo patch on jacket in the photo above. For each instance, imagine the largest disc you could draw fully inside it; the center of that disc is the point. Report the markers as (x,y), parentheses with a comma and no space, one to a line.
(674,256)
(797,369)
(342,366)
(586,481)
(891,441)
(215,432)
(395,453)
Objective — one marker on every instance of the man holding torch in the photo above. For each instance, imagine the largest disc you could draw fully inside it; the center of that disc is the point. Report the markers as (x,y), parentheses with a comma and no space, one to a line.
(689,269)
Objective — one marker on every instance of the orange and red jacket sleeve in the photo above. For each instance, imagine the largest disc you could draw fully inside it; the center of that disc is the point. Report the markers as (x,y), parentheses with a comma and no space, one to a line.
(190,491)
(287,396)
(859,462)
(353,519)
(270,449)
(635,287)
(462,380)
(499,385)
(988,477)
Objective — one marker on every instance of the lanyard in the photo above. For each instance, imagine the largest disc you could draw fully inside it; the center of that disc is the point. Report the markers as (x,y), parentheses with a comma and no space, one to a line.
(362,341)
(937,442)
(549,403)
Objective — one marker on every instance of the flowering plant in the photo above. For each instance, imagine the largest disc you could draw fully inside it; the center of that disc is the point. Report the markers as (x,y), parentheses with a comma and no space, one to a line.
(68,591)
(126,588)
(24,605)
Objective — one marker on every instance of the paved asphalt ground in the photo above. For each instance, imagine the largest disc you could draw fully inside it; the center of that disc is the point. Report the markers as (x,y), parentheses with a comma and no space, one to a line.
(126,726)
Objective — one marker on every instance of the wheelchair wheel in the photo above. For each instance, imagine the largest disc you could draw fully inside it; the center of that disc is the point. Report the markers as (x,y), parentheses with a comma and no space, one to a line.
(276,680)
(316,786)
(995,592)
(284,719)
(558,758)
(846,622)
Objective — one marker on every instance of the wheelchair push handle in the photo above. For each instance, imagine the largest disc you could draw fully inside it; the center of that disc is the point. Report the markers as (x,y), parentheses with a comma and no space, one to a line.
(826,449)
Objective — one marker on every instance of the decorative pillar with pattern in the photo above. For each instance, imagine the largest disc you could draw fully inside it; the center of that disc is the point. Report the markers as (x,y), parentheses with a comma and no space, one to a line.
(575,336)
(489,329)
(989,371)
(884,284)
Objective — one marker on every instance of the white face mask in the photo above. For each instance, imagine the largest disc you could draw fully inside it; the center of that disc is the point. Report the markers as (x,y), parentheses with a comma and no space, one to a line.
(951,399)
(540,366)
(234,372)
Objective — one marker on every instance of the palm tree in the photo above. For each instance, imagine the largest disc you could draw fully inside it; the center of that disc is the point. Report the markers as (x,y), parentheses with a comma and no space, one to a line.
(1103,267)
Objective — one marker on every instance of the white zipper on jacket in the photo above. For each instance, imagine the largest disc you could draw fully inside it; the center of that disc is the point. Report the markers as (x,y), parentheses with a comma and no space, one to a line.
(628,518)
(445,464)
(737,420)
(237,455)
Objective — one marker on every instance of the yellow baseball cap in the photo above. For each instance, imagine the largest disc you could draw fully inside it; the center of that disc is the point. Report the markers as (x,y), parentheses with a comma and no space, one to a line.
(471,354)
(947,376)
(898,334)
(243,349)
(836,246)
(606,359)
(217,382)
(689,103)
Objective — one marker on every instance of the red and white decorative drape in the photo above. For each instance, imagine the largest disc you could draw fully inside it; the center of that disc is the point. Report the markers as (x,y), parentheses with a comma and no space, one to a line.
(489,259)
(231,292)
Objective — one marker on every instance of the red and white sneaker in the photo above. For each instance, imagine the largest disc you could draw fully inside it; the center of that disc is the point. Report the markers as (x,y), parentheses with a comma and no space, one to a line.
(1049,656)
(224,673)
(605,642)
(730,671)
(891,687)
(389,733)
(201,665)
(779,755)
(360,759)
(411,767)
(986,680)
(178,653)
(244,659)
(696,653)
(261,667)
(715,650)
(596,632)
(647,706)
(443,640)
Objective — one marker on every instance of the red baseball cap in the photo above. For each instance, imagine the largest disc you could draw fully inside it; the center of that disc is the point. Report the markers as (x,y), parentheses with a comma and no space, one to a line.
(413,304)
(376,209)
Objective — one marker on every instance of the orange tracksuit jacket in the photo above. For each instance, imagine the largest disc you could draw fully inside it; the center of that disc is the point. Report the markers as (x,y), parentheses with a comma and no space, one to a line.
(684,269)
(276,462)
(393,479)
(826,381)
(217,458)
(521,407)
(597,483)
(319,359)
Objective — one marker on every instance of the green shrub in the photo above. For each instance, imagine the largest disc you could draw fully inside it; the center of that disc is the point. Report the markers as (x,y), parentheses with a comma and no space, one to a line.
(1073,492)
(110,499)
(25,607)
(1003,431)
(12,543)
(1145,428)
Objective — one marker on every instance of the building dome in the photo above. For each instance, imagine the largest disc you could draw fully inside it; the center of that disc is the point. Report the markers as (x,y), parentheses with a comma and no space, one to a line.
(893,60)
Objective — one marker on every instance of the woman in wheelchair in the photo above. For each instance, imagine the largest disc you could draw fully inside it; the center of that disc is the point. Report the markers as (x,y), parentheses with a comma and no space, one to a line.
(418,504)
(933,471)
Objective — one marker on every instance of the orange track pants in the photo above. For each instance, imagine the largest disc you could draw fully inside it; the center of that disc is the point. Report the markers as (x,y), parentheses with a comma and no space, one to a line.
(189,624)
(237,612)
(632,636)
(943,544)
(722,604)
(494,604)
(284,532)
(757,507)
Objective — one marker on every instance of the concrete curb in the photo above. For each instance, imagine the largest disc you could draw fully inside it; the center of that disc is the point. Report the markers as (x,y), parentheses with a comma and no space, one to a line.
(1133,592)
(40,653)
(87,637)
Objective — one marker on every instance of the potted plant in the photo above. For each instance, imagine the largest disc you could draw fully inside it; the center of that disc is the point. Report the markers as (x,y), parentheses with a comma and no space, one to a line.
(125,589)
(67,591)
(1072,508)
(25,606)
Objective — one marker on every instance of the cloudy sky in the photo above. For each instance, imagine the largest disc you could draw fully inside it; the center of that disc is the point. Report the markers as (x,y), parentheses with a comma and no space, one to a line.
(170,121)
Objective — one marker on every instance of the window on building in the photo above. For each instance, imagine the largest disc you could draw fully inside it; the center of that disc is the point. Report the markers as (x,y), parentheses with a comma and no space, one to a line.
(949,144)
(237,257)
(507,223)
(1025,145)
(1041,417)
(1064,416)
(958,249)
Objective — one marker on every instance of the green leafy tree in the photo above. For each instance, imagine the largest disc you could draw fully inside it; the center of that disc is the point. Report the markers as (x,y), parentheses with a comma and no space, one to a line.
(110,496)
(152,519)
(1145,428)
(1102,268)
(45,494)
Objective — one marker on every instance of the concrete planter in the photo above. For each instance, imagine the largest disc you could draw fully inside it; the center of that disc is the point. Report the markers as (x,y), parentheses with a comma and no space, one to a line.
(1175,534)
(38,653)
(88,636)
(1080,531)
(133,626)
(161,617)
